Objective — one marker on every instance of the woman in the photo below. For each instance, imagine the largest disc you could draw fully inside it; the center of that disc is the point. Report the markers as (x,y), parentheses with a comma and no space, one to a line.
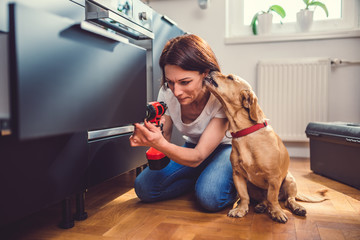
(204,160)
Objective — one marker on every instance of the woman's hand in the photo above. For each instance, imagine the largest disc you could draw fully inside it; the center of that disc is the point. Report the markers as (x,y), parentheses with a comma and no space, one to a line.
(146,135)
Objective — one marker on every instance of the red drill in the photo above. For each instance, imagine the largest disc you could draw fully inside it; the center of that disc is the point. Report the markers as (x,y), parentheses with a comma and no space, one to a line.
(157,160)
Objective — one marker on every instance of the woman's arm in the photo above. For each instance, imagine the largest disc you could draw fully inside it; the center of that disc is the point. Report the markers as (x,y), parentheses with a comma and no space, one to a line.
(149,135)
(167,127)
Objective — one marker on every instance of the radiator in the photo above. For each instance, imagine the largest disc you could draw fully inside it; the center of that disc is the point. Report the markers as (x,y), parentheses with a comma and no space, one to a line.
(292,93)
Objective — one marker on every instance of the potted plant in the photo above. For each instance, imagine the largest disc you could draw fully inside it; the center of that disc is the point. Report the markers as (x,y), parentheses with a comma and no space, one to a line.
(304,18)
(262,21)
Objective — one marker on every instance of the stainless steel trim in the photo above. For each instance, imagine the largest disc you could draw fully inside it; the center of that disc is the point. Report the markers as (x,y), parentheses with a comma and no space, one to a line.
(132,25)
(102,32)
(169,20)
(96,134)
(99,14)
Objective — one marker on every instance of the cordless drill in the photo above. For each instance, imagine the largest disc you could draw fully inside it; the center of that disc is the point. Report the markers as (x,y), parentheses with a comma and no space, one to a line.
(156,159)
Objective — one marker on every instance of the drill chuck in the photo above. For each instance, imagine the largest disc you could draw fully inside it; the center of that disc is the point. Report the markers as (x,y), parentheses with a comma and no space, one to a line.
(154,111)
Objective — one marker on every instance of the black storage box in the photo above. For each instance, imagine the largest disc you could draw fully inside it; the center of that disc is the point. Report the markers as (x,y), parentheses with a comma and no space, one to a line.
(335,150)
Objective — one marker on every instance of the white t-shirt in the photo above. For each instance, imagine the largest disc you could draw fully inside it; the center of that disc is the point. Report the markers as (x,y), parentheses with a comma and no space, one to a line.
(192,131)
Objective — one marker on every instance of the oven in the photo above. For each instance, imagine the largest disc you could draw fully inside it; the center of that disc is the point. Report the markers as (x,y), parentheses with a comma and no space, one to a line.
(76,76)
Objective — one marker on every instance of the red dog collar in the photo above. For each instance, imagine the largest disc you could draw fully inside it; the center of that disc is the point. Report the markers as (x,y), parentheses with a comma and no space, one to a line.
(249,130)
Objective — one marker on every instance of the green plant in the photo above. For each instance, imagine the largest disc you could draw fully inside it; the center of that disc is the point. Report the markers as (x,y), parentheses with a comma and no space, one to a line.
(310,3)
(274,8)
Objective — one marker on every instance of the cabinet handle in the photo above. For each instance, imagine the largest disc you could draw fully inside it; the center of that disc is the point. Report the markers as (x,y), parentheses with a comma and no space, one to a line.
(96,134)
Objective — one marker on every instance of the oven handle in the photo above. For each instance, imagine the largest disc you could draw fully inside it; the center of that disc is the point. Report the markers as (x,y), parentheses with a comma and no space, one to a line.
(109,132)
(85,25)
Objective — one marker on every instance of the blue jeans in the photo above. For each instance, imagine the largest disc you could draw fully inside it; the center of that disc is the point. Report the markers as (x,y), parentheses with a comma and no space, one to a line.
(212,179)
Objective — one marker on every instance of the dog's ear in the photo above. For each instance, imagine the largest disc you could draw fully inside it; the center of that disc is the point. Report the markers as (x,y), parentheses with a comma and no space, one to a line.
(250,102)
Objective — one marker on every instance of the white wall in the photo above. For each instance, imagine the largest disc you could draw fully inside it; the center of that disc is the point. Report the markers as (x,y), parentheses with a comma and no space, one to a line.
(241,59)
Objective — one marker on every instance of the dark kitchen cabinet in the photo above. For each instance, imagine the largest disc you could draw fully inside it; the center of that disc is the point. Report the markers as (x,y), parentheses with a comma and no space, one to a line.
(65,79)
(63,82)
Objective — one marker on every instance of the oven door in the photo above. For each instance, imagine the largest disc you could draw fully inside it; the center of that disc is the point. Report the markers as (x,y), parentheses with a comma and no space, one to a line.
(65,79)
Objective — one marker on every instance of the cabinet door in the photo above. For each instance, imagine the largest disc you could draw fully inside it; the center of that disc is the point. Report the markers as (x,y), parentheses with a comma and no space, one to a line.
(110,157)
(64,79)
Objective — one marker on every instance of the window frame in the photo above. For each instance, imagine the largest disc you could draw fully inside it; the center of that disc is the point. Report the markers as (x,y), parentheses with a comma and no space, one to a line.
(237,32)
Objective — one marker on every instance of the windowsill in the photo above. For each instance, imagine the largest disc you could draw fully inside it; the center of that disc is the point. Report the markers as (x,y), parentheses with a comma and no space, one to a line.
(348,33)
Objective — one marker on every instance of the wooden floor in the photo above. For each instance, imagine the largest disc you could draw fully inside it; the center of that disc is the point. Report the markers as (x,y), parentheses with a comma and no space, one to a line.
(116,213)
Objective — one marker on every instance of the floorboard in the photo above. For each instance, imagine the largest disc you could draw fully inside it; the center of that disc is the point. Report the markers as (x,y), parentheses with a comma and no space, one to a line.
(116,213)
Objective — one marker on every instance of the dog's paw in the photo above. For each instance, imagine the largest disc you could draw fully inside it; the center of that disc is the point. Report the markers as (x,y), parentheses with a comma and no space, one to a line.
(238,212)
(260,208)
(295,208)
(301,211)
(278,216)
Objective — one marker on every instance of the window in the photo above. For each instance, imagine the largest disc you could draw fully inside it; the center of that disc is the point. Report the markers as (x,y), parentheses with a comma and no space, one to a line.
(343,16)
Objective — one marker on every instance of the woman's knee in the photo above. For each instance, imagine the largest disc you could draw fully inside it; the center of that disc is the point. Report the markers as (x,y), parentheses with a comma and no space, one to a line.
(138,189)
(142,190)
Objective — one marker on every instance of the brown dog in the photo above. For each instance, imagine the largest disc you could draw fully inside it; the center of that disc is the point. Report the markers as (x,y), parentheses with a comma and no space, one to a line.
(259,158)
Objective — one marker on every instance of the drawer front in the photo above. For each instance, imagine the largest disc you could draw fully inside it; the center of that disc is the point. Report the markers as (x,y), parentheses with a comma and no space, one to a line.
(109,157)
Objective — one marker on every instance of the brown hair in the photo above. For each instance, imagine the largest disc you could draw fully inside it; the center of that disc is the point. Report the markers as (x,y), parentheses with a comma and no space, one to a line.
(189,52)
